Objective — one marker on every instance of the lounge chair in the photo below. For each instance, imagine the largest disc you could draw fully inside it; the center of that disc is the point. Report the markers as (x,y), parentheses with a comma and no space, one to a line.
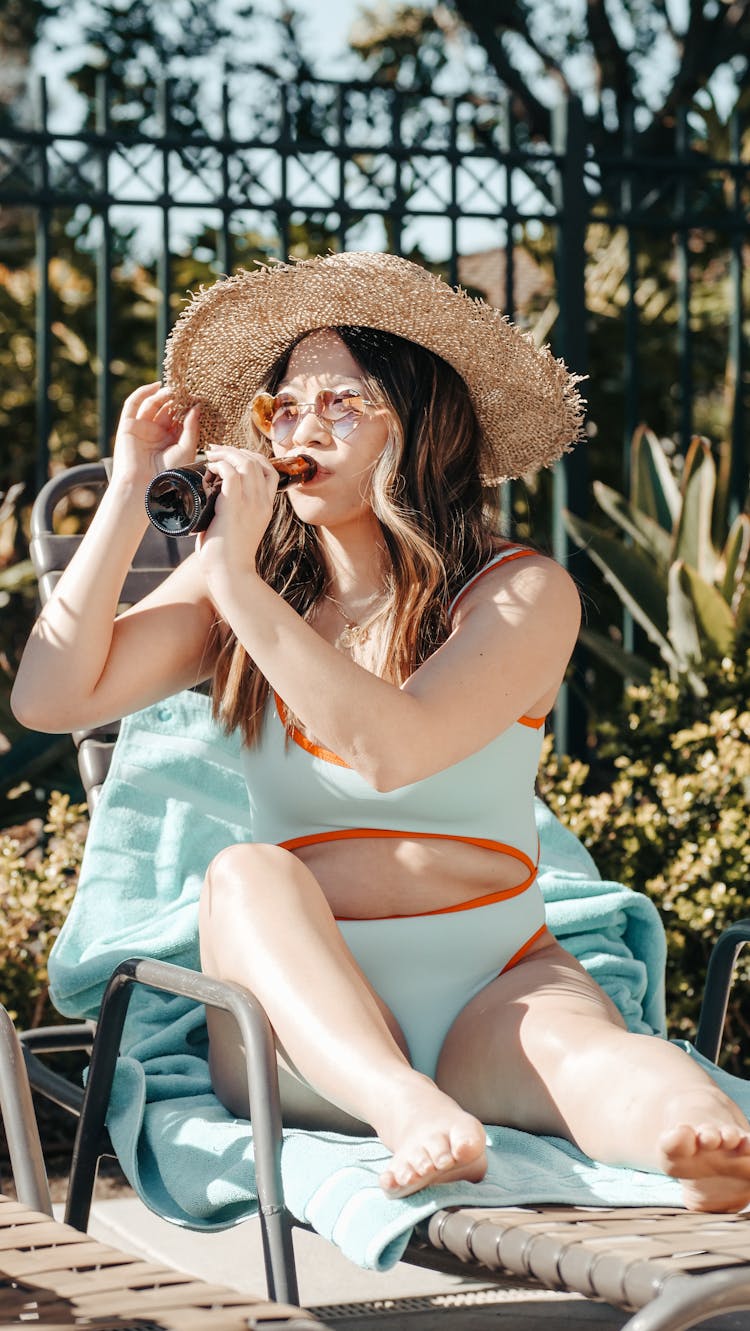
(54,1275)
(672,1268)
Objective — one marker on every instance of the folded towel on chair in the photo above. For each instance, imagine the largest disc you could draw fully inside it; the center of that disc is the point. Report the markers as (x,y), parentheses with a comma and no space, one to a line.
(174,797)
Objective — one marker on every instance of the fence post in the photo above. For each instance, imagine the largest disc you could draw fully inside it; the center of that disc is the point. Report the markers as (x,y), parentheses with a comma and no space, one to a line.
(43,315)
(104,273)
(570,477)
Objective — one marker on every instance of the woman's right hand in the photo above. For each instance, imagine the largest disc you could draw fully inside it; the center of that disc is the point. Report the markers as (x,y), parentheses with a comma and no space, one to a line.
(149,439)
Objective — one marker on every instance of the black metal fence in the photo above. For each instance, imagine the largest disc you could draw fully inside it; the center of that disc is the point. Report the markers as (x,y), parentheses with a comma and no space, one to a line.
(452,178)
(641,255)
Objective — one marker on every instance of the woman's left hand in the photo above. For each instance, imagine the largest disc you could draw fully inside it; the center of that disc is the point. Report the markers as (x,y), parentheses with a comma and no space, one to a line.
(244,506)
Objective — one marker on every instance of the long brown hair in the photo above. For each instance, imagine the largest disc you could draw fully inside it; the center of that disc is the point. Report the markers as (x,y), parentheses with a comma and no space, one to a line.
(438,525)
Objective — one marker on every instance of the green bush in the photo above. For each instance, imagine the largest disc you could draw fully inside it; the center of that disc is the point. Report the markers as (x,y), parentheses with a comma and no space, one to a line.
(37,886)
(671,819)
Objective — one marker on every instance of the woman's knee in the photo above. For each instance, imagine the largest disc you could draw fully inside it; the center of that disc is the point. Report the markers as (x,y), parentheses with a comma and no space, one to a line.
(242,878)
(248,861)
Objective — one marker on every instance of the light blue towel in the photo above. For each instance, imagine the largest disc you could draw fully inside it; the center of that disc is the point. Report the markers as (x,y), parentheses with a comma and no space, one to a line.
(173,799)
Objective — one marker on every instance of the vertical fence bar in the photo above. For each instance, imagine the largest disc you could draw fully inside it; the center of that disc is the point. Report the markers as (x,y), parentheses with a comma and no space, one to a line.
(164,262)
(739,475)
(342,151)
(570,479)
(684,342)
(284,147)
(453,208)
(43,304)
(225,247)
(104,274)
(628,206)
(506,148)
(396,216)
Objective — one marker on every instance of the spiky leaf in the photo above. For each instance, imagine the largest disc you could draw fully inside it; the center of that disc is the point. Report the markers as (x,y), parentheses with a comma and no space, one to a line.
(645,531)
(633,668)
(734,559)
(683,625)
(712,614)
(653,488)
(632,576)
(692,535)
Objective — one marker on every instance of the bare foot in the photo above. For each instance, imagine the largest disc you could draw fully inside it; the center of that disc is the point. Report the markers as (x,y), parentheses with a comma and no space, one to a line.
(433,1141)
(711,1157)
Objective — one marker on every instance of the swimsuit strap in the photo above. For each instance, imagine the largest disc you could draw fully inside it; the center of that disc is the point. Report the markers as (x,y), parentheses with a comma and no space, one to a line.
(503,557)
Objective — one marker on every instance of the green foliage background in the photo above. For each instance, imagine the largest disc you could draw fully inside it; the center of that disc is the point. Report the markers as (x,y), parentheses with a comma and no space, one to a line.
(670,818)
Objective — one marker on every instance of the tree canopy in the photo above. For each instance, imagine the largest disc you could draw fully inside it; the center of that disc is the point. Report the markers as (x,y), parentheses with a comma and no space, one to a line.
(656,54)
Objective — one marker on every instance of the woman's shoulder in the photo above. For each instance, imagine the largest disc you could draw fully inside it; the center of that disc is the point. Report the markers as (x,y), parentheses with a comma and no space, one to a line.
(521,574)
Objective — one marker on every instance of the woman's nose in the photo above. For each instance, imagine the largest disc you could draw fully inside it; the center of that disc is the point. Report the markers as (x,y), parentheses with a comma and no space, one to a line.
(309,427)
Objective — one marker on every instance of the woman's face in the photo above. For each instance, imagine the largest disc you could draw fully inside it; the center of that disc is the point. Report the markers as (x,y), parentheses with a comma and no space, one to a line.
(339,491)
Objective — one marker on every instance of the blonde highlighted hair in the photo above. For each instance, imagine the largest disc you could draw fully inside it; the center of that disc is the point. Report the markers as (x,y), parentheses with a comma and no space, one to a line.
(438,525)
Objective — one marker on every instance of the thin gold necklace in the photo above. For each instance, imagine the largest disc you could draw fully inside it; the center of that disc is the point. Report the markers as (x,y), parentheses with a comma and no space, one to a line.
(354,633)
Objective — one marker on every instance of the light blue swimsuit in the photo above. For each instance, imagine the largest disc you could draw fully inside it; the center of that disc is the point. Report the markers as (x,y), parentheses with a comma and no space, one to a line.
(426,967)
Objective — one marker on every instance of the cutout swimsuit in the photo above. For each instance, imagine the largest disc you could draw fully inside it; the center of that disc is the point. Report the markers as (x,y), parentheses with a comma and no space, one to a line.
(426,967)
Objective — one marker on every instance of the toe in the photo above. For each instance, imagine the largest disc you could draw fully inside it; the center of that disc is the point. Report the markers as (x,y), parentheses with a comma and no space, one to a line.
(404,1173)
(708,1136)
(678,1141)
(467,1146)
(438,1148)
(731,1136)
(422,1164)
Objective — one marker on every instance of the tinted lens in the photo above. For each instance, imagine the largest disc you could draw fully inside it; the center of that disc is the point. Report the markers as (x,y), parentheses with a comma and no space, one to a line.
(342,412)
(276,417)
(173,505)
(261,411)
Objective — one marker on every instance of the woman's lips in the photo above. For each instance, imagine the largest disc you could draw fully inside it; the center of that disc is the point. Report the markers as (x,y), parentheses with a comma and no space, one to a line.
(320,475)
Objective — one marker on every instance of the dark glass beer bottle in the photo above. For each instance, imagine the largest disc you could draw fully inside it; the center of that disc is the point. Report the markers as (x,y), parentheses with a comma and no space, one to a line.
(180,501)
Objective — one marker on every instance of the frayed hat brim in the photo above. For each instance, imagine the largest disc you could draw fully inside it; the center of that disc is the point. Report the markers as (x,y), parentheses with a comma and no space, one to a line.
(225,341)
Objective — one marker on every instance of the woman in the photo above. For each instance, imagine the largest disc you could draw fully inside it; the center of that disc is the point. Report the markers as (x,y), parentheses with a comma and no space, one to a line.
(390,662)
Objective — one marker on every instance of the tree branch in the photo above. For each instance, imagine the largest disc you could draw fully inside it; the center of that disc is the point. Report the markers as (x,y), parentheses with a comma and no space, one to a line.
(612,62)
(488,22)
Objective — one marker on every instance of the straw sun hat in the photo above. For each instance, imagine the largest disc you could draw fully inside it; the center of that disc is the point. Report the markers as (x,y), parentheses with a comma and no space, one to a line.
(226,340)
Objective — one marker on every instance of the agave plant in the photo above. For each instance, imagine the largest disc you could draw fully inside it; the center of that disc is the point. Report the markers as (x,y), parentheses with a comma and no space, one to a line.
(678,567)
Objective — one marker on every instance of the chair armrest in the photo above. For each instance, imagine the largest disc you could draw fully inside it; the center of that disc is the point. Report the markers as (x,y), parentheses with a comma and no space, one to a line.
(56,1040)
(19,1122)
(263,1087)
(718,985)
(59,1039)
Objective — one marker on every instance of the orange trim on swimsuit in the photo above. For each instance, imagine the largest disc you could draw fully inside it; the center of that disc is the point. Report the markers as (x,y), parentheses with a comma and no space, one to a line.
(489,568)
(535,721)
(517,956)
(300,738)
(358,833)
(328,756)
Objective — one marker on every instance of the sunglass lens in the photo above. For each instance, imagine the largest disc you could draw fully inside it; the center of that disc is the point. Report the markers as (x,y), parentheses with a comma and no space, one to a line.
(274,416)
(341,411)
(261,411)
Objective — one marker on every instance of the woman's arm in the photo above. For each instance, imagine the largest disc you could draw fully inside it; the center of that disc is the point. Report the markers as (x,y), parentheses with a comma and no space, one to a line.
(82,666)
(513,636)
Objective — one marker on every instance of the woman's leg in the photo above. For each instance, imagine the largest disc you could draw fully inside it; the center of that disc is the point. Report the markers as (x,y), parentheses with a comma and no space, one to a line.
(542,1048)
(265,923)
